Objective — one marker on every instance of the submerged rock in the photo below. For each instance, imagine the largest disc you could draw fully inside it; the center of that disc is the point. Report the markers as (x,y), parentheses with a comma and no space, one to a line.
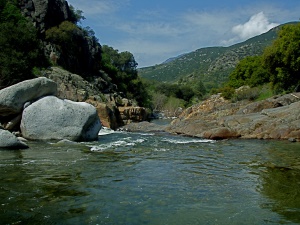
(53,118)
(8,140)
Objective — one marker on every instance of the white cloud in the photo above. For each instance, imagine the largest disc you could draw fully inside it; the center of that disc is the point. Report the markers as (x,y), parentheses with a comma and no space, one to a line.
(257,24)
(154,34)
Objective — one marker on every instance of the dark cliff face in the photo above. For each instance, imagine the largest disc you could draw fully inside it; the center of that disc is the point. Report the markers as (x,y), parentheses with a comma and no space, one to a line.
(45,13)
(84,59)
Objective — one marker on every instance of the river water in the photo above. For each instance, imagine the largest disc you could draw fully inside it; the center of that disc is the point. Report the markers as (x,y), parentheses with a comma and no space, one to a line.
(151,178)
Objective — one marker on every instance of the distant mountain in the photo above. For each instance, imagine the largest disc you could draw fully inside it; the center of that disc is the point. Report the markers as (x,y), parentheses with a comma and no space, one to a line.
(212,65)
(173,58)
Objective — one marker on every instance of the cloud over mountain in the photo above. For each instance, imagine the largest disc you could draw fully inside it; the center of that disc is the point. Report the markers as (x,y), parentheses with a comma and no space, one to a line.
(256,25)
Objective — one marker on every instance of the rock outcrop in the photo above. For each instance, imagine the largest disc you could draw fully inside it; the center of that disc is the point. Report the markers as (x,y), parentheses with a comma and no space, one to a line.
(143,127)
(10,141)
(216,118)
(108,114)
(46,13)
(131,114)
(53,118)
(113,110)
(71,86)
(14,97)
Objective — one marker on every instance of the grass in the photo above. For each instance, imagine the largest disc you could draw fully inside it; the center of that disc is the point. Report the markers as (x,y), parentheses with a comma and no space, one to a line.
(266,92)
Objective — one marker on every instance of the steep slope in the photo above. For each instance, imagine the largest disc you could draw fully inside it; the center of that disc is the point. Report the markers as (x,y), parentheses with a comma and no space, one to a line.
(212,65)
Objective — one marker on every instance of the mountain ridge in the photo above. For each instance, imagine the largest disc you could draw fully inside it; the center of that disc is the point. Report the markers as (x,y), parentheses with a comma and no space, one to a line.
(211,64)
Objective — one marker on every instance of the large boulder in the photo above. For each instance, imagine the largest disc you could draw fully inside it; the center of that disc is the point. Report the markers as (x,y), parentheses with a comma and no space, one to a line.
(13,98)
(10,141)
(53,118)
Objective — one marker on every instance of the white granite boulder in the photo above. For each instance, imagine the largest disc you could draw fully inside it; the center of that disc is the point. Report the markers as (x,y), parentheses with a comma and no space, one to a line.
(53,118)
(13,98)
(10,141)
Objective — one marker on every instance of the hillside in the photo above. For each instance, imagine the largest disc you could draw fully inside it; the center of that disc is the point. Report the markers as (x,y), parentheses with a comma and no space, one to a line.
(212,65)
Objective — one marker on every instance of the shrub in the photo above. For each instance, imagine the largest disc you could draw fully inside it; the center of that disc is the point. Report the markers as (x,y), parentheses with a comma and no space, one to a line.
(227,92)
(246,93)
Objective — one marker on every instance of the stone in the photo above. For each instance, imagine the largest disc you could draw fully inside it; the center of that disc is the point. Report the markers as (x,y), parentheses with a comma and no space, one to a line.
(274,118)
(220,133)
(50,12)
(13,98)
(13,123)
(10,141)
(53,118)
(70,86)
(143,127)
(133,114)
(109,115)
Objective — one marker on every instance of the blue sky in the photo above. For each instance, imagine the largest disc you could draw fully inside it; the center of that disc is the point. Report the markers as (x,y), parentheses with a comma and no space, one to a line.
(155,30)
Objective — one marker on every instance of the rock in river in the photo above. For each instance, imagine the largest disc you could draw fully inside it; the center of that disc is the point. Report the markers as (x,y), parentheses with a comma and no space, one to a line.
(53,118)
(8,140)
(13,98)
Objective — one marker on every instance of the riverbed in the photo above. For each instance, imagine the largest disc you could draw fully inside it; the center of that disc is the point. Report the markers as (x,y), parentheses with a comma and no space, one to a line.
(151,178)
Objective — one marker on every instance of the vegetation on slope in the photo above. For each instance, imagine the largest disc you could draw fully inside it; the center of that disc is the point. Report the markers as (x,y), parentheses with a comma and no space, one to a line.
(278,66)
(25,51)
(211,65)
(265,67)
(20,48)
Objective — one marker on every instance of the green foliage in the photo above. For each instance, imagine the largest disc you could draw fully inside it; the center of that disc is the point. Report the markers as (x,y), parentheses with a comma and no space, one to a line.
(210,65)
(227,92)
(246,93)
(282,59)
(265,92)
(121,67)
(76,15)
(20,47)
(279,64)
(73,44)
(65,33)
(249,71)
(161,93)
(173,104)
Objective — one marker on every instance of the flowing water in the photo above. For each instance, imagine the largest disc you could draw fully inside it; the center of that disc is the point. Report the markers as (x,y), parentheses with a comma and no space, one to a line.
(151,178)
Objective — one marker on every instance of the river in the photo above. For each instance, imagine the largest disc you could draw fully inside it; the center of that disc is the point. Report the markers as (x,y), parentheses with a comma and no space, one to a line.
(151,178)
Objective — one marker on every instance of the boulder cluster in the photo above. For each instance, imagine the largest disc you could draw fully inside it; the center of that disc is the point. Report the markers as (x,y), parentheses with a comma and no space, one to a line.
(31,109)
(113,110)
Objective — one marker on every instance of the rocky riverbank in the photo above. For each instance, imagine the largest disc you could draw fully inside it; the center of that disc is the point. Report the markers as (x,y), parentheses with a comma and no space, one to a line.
(33,108)
(277,117)
(216,118)
(61,105)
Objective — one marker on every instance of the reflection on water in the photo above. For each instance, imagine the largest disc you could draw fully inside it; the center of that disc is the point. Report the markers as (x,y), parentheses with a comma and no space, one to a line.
(138,178)
(281,180)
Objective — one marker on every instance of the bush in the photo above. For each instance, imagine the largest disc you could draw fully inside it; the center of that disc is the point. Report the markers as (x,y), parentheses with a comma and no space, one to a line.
(246,93)
(282,59)
(227,92)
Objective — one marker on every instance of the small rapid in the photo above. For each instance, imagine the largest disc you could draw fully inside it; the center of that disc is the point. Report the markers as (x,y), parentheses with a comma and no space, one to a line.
(151,178)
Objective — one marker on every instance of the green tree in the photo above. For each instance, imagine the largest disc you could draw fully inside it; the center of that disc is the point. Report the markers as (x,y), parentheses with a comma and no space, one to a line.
(76,14)
(74,45)
(282,59)
(249,71)
(20,47)
(122,69)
